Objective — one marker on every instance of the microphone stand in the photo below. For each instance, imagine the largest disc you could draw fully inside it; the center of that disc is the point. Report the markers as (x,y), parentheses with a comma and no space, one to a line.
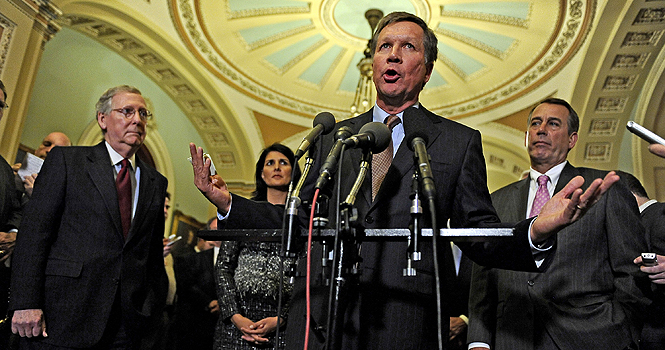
(345,257)
(437,250)
(292,203)
(287,251)
(413,251)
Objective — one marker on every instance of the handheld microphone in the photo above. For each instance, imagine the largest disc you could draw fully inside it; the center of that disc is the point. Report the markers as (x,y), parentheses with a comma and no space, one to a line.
(417,142)
(324,123)
(330,164)
(374,135)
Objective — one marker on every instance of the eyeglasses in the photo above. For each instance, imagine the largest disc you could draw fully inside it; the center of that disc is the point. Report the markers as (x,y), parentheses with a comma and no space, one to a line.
(128,112)
(3,105)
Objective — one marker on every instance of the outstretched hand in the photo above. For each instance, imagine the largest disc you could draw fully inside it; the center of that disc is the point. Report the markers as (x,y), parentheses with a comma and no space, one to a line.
(568,205)
(213,187)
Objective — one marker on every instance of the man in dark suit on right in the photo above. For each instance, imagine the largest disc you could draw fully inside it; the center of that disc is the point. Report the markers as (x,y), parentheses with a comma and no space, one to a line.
(591,296)
(653,218)
(88,268)
(389,311)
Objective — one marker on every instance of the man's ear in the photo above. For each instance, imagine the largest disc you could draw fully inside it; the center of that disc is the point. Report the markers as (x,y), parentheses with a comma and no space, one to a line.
(101,120)
(572,140)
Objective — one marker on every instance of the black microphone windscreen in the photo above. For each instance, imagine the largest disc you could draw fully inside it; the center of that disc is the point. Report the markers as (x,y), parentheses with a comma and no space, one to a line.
(343,133)
(381,133)
(409,139)
(327,120)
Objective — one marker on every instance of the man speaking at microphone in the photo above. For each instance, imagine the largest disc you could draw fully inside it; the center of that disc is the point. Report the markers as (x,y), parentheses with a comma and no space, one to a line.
(387,310)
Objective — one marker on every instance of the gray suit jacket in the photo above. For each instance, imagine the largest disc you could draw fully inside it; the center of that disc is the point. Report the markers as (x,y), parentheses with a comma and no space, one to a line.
(71,259)
(588,298)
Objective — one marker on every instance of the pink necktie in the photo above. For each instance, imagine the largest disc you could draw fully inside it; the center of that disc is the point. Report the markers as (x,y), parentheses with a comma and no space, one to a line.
(381,161)
(123,185)
(542,195)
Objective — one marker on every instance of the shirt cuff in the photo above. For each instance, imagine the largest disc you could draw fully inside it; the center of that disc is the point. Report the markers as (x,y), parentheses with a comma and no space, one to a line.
(479,345)
(465,319)
(539,251)
(221,217)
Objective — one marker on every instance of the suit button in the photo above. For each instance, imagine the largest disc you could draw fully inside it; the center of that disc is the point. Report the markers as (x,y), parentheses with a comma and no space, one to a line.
(116,281)
(369,219)
(530,283)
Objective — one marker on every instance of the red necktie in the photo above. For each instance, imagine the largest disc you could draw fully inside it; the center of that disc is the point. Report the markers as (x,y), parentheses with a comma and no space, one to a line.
(542,195)
(123,184)
(381,161)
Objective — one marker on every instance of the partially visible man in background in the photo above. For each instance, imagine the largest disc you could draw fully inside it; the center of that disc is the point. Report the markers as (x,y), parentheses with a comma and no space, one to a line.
(10,217)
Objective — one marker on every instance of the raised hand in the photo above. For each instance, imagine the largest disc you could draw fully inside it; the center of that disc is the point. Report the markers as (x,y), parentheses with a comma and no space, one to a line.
(568,205)
(213,187)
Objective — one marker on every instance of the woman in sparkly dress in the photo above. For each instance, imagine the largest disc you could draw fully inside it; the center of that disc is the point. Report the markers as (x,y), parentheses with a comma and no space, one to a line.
(248,273)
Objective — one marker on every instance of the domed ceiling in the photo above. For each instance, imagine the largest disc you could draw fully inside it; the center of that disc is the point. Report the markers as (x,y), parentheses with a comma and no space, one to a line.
(302,56)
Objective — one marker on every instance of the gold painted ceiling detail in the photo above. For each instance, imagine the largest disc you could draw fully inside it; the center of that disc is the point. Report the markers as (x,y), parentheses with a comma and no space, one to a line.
(301,56)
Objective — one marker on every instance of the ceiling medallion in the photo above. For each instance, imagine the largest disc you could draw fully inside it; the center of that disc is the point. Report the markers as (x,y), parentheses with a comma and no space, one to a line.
(336,23)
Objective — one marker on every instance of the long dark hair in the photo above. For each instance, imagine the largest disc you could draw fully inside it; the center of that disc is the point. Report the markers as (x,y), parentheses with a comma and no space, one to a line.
(261,191)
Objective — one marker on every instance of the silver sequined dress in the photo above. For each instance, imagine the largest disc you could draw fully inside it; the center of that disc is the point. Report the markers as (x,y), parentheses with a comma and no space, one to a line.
(247,276)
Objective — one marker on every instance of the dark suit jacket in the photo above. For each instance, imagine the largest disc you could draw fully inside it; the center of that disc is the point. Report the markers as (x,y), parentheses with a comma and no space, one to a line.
(10,216)
(71,259)
(195,276)
(653,334)
(388,309)
(588,298)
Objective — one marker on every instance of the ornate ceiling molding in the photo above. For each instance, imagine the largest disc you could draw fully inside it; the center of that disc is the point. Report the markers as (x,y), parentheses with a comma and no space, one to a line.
(301,60)
(574,27)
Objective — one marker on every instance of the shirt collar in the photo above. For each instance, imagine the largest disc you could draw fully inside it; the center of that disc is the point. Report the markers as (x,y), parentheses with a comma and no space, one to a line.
(117,158)
(647,204)
(379,115)
(554,173)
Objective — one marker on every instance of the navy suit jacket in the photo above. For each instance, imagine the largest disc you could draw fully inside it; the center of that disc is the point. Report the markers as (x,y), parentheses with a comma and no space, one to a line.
(590,297)
(71,259)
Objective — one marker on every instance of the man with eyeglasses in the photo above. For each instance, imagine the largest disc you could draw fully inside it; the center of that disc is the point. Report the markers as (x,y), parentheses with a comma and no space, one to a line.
(10,217)
(88,269)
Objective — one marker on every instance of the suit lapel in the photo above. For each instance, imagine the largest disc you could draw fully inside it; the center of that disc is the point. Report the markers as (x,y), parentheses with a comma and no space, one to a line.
(522,201)
(100,170)
(567,174)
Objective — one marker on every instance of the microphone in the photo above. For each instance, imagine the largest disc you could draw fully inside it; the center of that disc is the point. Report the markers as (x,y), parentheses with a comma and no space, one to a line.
(374,135)
(330,164)
(417,142)
(324,123)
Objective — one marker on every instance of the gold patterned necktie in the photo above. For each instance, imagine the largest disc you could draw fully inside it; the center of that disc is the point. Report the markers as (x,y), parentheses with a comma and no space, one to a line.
(381,161)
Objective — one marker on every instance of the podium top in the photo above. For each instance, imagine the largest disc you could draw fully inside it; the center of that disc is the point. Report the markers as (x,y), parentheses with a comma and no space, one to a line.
(275,235)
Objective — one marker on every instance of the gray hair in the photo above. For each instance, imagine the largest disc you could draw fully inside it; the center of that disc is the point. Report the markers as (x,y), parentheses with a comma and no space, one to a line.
(104,104)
